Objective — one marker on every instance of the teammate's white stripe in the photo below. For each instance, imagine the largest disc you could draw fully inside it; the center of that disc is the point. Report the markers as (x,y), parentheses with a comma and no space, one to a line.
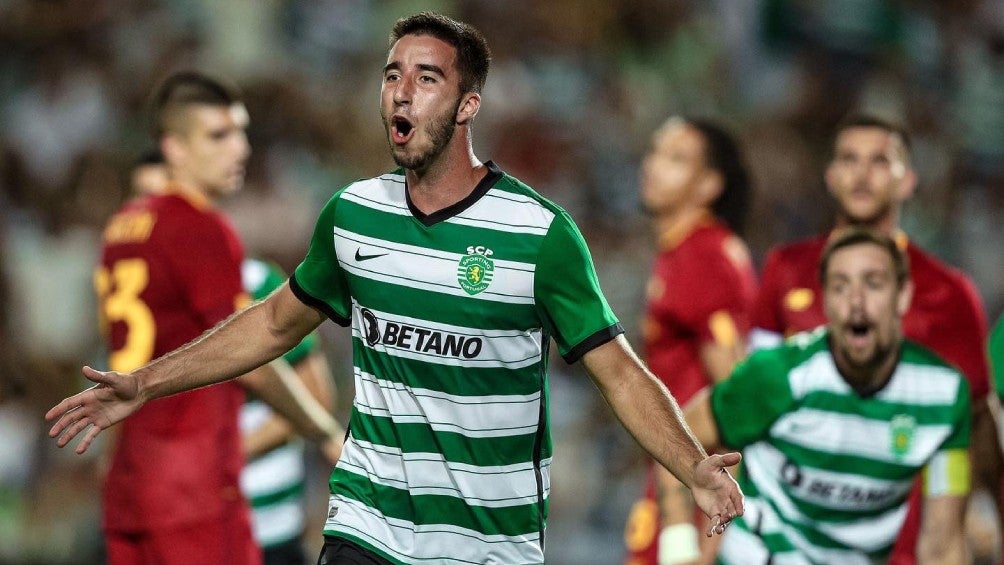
(832,489)
(497,486)
(253,274)
(760,338)
(429,269)
(471,416)
(437,543)
(867,533)
(277,523)
(278,469)
(909,384)
(430,341)
(833,432)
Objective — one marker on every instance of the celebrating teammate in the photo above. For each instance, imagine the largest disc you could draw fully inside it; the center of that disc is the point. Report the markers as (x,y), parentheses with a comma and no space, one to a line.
(455,278)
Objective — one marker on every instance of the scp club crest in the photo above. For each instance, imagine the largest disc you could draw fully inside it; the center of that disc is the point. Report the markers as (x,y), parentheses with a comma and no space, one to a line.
(475,270)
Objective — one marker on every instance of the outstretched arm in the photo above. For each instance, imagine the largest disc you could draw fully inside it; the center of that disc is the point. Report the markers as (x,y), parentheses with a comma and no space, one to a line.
(240,343)
(653,417)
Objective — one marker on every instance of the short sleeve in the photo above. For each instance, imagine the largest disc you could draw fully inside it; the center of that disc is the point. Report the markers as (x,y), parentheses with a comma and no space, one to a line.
(948,471)
(318,280)
(568,295)
(996,351)
(755,395)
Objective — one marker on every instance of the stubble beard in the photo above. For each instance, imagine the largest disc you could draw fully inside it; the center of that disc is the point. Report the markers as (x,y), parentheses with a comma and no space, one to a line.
(440,133)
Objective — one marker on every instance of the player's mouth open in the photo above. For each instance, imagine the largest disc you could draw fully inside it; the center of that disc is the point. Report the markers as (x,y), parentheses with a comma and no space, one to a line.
(401,129)
(858,332)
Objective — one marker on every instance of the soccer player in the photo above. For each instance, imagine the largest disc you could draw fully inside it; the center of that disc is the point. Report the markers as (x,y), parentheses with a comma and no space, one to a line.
(836,424)
(455,278)
(170,269)
(869,177)
(274,476)
(695,187)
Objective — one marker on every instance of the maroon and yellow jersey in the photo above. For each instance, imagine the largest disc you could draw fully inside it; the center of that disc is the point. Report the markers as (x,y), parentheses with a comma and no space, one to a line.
(170,269)
(701,290)
(946,314)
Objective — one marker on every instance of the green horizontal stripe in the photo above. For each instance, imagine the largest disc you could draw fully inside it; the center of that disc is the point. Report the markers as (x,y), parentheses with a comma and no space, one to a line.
(291,493)
(454,447)
(430,509)
(777,542)
(520,247)
(842,462)
(875,409)
(404,300)
(458,380)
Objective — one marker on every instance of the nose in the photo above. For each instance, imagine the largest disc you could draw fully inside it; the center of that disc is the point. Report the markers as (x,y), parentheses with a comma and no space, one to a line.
(403,91)
(856,297)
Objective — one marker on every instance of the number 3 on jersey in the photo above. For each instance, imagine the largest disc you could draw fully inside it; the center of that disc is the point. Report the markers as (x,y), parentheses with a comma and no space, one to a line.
(119,301)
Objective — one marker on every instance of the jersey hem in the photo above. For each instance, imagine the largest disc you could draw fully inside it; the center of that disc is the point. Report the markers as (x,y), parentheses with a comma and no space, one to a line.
(317,304)
(592,342)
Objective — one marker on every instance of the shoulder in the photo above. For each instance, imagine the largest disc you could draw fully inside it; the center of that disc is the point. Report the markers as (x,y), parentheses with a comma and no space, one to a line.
(803,250)
(511,197)
(931,275)
(930,371)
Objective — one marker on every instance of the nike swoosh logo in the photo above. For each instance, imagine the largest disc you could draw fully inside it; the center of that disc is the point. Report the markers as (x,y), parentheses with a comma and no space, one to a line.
(361,257)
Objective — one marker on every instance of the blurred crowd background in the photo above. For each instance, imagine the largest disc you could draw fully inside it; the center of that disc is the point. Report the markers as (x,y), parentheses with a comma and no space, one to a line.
(576,89)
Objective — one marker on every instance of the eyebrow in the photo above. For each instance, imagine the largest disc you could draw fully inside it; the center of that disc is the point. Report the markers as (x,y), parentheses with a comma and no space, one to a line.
(421,66)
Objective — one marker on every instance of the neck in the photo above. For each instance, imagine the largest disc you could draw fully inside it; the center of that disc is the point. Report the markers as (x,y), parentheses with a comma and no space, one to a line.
(450,178)
(188,187)
(869,378)
(887,224)
(671,227)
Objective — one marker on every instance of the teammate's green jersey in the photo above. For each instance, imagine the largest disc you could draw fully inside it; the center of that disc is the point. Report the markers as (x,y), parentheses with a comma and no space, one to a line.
(452,314)
(826,470)
(995,345)
(273,482)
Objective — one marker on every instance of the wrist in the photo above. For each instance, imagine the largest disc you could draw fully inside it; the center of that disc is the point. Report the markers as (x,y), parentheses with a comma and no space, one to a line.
(678,544)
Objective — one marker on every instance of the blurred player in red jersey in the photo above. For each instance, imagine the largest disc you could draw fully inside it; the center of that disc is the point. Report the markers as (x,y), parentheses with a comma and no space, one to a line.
(170,269)
(870,176)
(695,187)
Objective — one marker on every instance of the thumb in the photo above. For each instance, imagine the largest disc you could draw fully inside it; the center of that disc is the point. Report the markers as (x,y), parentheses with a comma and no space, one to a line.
(728,459)
(95,376)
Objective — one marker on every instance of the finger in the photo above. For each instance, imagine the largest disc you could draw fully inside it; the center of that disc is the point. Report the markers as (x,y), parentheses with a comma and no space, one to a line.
(74,424)
(92,433)
(95,376)
(728,459)
(59,410)
(715,521)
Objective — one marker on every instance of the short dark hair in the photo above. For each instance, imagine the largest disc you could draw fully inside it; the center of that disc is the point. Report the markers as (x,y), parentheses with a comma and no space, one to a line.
(149,157)
(871,121)
(856,236)
(722,154)
(184,89)
(473,55)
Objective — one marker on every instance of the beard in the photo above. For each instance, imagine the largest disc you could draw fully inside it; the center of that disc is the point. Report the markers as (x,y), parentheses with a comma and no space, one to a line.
(440,131)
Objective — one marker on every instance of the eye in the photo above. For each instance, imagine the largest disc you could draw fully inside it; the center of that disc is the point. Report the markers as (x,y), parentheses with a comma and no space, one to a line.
(428,79)
(391,77)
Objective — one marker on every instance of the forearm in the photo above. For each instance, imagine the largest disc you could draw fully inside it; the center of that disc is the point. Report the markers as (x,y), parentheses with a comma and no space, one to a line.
(652,416)
(271,434)
(942,550)
(279,386)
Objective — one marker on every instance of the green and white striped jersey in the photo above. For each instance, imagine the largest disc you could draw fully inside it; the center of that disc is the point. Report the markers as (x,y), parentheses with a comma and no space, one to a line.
(449,452)
(826,471)
(273,482)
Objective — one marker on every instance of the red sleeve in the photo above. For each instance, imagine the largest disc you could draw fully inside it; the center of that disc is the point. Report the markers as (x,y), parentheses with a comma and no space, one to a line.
(206,255)
(767,301)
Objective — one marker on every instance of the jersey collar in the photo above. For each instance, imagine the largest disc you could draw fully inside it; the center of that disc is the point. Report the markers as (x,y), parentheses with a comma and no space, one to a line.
(674,235)
(488,181)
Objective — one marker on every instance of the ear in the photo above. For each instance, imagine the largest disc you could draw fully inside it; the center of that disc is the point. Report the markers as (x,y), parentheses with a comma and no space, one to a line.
(470,103)
(907,185)
(710,187)
(829,177)
(904,298)
(171,148)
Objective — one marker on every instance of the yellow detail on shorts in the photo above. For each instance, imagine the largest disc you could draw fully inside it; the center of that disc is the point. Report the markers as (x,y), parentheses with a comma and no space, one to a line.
(723,329)
(947,474)
(642,522)
(799,299)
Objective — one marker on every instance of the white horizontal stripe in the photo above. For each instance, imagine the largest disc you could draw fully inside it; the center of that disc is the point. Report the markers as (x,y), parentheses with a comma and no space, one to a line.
(253,274)
(276,470)
(437,543)
(833,432)
(832,489)
(506,212)
(278,523)
(430,269)
(868,534)
(817,373)
(928,385)
(512,349)
(385,193)
(760,338)
(471,416)
(429,473)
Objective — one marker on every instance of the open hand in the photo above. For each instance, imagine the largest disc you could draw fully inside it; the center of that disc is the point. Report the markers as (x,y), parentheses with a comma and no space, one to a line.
(114,397)
(716,492)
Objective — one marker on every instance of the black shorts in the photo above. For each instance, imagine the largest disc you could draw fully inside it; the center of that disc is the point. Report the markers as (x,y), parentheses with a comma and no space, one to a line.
(339,551)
